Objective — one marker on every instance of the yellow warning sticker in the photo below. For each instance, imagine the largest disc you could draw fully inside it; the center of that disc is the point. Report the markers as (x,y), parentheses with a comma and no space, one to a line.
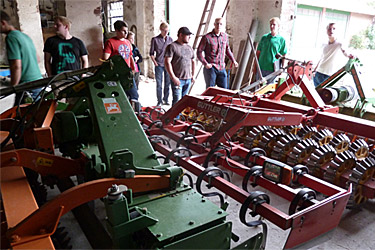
(44,162)
(78,87)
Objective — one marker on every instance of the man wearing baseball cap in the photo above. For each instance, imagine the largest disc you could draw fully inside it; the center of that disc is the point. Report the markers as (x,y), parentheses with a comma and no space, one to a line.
(180,65)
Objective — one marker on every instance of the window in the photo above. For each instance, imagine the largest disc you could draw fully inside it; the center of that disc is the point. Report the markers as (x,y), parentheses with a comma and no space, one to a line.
(307,26)
(305,32)
(115,12)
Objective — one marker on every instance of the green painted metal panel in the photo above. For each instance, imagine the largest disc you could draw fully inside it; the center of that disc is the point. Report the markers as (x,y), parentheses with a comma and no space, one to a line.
(117,127)
(217,237)
(138,201)
(254,242)
(179,214)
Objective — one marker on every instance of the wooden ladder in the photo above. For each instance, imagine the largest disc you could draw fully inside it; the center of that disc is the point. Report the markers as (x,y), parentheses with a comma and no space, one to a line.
(205,21)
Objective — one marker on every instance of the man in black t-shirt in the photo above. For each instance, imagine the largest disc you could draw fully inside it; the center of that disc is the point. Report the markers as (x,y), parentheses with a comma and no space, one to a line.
(64,52)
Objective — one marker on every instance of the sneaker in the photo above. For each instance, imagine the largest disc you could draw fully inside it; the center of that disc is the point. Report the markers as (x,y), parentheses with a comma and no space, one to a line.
(159,104)
(166,103)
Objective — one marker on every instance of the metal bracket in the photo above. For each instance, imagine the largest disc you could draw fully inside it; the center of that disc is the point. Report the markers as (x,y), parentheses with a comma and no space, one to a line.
(302,196)
(177,153)
(254,152)
(255,198)
(214,152)
(212,172)
(255,171)
(299,170)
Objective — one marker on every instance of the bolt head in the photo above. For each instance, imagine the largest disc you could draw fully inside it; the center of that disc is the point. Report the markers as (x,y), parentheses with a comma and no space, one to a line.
(14,238)
(113,189)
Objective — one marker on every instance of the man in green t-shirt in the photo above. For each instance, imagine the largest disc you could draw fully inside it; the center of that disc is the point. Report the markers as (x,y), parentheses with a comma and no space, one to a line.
(21,56)
(269,46)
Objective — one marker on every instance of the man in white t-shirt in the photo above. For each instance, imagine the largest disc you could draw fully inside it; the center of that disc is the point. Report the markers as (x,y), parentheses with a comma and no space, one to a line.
(332,57)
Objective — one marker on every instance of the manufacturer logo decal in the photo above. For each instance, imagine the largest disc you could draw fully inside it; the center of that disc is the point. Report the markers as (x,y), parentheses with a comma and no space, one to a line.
(275,119)
(111,106)
(209,107)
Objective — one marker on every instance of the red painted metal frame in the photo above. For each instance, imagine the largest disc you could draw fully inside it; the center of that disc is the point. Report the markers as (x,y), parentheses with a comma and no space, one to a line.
(174,132)
(344,123)
(238,150)
(234,116)
(305,224)
(319,116)
(227,105)
(300,75)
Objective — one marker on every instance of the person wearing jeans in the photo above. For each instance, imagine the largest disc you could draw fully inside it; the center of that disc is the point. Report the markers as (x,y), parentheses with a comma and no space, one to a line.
(157,50)
(215,46)
(180,64)
(332,58)
(160,71)
(181,90)
(213,75)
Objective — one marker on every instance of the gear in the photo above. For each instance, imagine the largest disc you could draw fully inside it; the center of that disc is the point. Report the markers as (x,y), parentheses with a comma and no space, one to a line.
(292,129)
(307,132)
(323,137)
(363,172)
(360,149)
(255,135)
(210,123)
(202,117)
(284,146)
(342,163)
(372,154)
(241,134)
(186,112)
(340,142)
(270,139)
(301,151)
(193,115)
(319,160)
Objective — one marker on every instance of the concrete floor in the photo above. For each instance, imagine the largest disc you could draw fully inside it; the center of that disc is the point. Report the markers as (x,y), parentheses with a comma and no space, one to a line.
(355,231)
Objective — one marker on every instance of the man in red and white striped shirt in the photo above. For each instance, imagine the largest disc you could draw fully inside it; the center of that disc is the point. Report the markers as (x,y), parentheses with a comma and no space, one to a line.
(215,46)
